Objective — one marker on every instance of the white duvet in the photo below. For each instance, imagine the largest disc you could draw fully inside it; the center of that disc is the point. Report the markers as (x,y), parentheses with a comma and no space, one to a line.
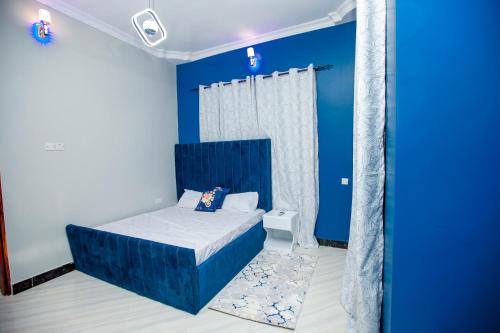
(204,232)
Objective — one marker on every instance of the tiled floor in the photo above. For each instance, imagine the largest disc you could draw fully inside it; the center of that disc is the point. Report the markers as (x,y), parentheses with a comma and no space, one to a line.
(76,302)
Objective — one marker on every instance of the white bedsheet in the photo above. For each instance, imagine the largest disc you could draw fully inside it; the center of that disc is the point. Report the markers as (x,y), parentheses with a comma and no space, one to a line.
(204,232)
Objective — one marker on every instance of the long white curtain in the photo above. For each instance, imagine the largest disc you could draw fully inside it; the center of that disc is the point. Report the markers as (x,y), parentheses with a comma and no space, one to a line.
(282,108)
(362,285)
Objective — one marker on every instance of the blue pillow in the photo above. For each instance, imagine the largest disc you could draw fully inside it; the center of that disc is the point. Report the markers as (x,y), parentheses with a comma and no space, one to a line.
(225,191)
(209,201)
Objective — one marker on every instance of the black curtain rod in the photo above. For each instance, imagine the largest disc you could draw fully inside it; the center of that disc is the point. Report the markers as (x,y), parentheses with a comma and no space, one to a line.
(318,68)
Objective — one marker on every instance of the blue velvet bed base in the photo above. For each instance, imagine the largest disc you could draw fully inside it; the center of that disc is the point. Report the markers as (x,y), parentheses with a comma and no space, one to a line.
(168,273)
(162,272)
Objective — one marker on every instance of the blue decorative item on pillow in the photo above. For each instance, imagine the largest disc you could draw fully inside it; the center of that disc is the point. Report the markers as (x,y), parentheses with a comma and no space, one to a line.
(209,201)
(225,191)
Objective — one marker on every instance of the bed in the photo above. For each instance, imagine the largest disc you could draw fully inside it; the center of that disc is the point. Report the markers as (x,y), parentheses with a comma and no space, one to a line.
(181,268)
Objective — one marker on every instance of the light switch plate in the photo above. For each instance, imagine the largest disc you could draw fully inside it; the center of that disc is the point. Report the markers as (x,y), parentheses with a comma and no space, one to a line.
(344,181)
(49,146)
(54,146)
(59,146)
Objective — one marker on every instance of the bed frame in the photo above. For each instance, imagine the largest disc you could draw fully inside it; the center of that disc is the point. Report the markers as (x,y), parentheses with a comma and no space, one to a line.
(168,273)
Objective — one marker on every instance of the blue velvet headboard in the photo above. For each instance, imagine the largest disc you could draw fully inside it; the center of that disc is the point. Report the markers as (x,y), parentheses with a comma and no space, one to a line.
(243,166)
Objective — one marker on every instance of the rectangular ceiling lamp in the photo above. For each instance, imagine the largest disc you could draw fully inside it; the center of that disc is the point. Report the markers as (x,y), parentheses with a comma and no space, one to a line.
(148,26)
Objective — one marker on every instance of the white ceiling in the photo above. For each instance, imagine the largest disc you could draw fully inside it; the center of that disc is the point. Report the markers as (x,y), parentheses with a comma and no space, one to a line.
(201,28)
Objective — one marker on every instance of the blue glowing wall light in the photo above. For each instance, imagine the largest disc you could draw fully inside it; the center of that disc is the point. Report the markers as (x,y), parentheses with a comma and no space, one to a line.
(40,34)
(40,30)
(254,60)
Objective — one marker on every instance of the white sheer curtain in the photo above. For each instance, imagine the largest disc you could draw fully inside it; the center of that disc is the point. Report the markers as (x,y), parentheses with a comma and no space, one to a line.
(210,113)
(286,107)
(228,112)
(362,286)
(282,108)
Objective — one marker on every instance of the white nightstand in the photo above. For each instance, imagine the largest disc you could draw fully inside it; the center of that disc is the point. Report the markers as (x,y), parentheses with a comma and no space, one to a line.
(281,226)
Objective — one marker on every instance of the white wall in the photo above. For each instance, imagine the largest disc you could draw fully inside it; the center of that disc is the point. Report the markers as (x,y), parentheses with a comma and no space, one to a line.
(115,109)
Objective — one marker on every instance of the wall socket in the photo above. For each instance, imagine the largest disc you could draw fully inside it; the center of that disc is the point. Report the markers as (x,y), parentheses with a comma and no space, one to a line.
(54,146)
(344,181)
(158,201)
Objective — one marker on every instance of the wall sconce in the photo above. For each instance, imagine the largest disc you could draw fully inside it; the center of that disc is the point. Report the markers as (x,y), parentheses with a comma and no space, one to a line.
(41,30)
(254,62)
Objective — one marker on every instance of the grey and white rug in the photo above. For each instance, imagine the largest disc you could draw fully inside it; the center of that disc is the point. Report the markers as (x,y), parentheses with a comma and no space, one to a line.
(270,289)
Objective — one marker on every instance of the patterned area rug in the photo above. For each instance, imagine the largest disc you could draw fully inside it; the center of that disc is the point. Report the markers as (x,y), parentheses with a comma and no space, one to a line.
(270,289)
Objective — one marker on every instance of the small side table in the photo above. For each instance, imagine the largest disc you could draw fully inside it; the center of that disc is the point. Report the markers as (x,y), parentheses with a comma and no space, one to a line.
(281,227)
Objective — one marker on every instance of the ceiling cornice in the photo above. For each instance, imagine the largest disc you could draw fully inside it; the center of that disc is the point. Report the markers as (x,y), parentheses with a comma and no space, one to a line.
(180,56)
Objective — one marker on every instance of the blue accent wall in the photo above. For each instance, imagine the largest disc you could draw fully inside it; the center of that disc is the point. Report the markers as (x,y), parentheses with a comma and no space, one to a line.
(443,219)
(336,46)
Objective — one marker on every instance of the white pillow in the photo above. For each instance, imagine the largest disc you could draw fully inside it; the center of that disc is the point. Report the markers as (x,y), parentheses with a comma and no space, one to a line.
(189,199)
(242,202)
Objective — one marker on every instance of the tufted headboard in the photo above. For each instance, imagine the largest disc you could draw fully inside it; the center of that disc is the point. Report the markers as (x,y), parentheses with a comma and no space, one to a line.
(243,166)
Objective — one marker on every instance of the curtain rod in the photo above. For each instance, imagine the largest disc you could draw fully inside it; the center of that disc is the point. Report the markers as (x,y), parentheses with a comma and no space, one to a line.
(318,68)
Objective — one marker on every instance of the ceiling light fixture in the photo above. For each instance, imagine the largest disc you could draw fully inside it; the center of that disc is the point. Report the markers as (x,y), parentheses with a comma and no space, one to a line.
(149,27)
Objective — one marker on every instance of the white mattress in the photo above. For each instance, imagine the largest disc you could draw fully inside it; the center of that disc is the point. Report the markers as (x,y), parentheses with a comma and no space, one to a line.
(204,232)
